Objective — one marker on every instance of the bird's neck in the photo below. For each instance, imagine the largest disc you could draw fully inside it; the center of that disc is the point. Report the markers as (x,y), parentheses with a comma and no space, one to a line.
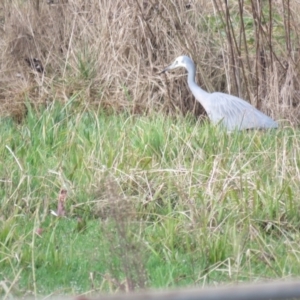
(197,91)
(191,76)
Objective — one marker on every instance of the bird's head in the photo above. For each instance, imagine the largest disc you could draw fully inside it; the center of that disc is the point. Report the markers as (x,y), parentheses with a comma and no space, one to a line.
(180,61)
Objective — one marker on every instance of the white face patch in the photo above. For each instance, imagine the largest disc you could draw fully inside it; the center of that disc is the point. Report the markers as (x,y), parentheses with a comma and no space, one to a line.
(181,62)
(178,63)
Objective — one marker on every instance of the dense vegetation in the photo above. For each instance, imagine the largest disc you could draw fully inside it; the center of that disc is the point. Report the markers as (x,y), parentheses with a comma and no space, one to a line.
(153,195)
(152,202)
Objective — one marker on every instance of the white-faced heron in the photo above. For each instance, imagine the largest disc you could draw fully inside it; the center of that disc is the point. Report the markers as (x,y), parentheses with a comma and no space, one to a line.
(231,112)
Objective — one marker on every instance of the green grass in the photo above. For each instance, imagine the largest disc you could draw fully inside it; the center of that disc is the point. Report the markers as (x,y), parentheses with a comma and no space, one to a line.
(167,202)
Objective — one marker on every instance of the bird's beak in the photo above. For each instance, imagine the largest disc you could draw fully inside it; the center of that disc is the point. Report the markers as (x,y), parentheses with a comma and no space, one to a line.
(166,69)
(170,67)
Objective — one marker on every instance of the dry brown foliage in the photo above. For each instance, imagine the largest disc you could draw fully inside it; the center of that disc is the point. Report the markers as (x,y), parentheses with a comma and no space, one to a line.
(108,53)
(120,225)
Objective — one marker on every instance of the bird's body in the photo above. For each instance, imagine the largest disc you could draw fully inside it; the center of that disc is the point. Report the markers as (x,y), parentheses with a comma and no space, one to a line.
(231,112)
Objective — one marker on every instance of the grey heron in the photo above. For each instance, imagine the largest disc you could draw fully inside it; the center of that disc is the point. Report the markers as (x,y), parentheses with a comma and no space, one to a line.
(231,112)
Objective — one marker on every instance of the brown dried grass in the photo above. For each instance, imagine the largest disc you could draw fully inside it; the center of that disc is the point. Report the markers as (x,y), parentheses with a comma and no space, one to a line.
(108,54)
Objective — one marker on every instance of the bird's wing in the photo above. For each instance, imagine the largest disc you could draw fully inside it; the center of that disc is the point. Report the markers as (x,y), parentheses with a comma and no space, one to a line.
(235,113)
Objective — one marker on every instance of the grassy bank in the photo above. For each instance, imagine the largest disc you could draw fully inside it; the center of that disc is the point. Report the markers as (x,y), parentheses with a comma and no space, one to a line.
(152,201)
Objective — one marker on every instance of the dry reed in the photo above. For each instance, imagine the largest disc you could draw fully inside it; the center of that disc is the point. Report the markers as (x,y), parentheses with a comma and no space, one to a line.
(108,53)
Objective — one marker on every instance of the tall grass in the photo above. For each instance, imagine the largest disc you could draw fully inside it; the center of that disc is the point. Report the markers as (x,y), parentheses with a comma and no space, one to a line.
(155,196)
(152,201)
